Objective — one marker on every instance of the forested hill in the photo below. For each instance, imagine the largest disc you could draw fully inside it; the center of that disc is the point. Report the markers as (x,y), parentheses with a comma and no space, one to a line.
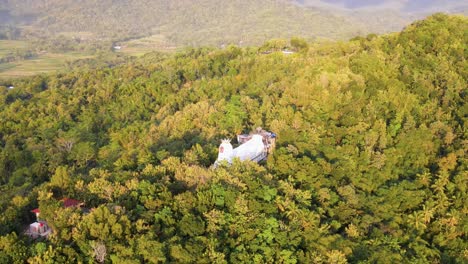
(370,164)
(183,22)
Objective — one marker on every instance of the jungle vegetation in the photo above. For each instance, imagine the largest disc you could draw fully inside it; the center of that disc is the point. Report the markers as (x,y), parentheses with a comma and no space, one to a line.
(370,164)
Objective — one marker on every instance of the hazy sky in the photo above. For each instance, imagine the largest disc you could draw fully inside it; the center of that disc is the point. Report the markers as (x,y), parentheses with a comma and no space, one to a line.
(356,3)
(403,5)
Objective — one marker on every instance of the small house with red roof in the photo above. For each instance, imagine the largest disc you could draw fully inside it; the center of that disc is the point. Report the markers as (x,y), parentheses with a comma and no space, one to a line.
(40,227)
(67,203)
(36,212)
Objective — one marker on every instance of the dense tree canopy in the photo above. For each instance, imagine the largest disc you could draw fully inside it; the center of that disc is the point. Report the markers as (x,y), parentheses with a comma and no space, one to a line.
(370,164)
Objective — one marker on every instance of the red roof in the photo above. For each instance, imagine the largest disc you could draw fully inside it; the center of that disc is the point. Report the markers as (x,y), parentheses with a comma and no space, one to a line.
(70,202)
(66,203)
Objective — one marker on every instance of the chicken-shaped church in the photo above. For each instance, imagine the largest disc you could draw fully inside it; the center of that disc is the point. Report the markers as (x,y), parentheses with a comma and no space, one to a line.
(255,147)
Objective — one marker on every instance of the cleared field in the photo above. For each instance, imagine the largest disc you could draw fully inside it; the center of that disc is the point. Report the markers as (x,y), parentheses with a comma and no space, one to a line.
(8,46)
(6,66)
(52,62)
(45,63)
(139,47)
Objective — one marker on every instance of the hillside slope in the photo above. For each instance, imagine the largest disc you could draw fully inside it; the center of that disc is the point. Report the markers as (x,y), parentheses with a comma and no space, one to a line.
(370,164)
(183,22)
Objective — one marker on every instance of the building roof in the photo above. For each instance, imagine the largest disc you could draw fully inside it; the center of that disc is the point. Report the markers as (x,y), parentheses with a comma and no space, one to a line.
(37,224)
(67,202)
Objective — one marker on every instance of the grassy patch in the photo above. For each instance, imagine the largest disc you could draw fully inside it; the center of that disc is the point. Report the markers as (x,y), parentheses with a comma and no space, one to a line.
(45,63)
(141,46)
(8,46)
(6,66)
(52,62)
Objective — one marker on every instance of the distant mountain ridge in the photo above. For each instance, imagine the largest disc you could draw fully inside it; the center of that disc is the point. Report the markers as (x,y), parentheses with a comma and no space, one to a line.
(382,16)
(203,22)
